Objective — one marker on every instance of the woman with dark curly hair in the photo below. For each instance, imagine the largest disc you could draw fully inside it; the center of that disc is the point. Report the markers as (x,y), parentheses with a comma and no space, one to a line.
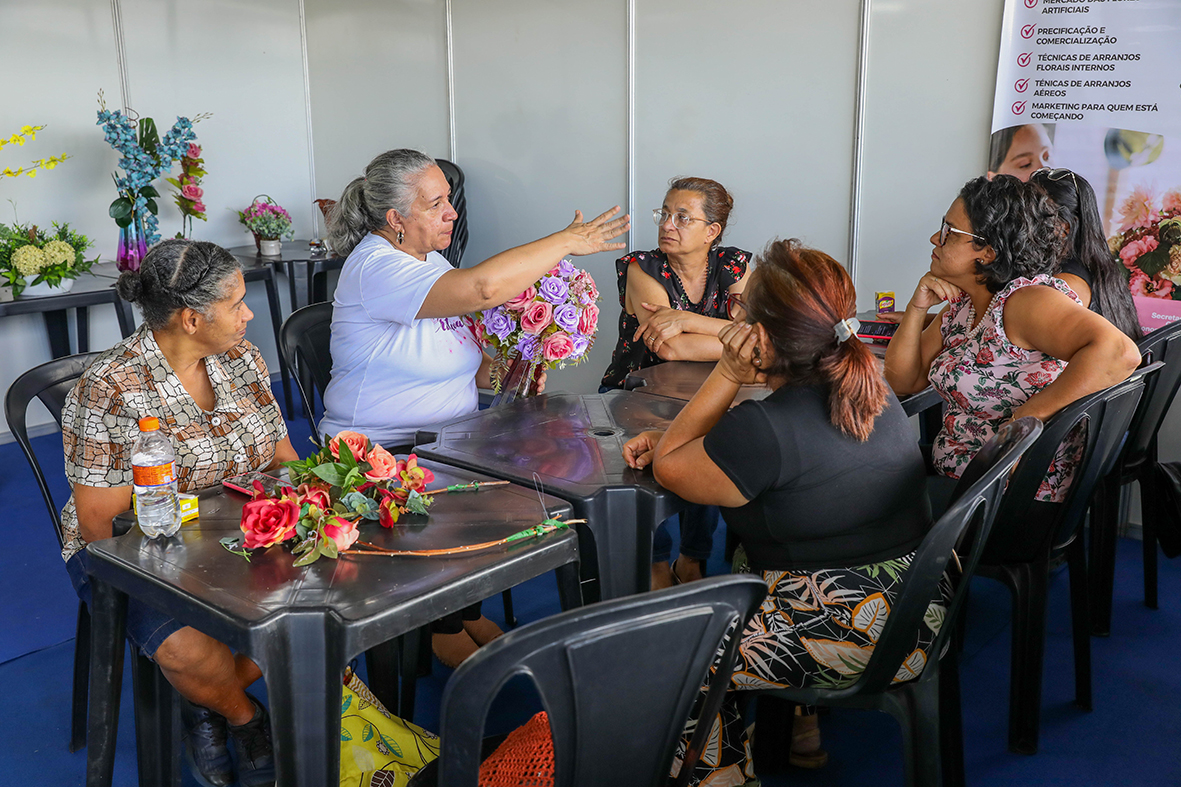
(1090,268)
(1012,340)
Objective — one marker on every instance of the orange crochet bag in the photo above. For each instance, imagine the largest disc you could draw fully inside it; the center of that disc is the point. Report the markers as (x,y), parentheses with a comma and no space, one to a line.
(524,759)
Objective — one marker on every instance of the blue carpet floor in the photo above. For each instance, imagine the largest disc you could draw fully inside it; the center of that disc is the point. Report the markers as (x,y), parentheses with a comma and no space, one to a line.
(1130,739)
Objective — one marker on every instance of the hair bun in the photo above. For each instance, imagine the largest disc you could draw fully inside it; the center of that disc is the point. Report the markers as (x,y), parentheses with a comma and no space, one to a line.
(130,286)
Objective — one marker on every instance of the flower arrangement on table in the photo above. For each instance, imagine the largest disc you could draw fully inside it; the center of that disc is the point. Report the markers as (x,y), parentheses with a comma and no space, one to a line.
(31,255)
(18,138)
(188,189)
(267,220)
(144,156)
(347,483)
(549,325)
(1149,243)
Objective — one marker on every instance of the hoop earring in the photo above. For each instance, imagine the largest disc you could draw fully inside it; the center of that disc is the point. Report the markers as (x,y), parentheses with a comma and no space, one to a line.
(400,237)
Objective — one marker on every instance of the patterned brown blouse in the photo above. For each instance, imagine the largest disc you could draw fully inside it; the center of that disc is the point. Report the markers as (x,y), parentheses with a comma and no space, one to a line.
(727,266)
(132,380)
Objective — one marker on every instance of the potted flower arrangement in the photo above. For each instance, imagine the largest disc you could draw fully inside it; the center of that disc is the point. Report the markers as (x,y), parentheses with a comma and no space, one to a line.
(269,222)
(37,262)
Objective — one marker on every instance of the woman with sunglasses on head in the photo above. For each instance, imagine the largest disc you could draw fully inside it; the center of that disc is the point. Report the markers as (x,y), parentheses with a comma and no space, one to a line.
(822,481)
(1090,268)
(673,303)
(1012,340)
(189,367)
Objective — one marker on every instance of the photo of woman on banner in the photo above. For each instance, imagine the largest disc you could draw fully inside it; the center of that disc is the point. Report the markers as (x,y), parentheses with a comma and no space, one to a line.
(1021,150)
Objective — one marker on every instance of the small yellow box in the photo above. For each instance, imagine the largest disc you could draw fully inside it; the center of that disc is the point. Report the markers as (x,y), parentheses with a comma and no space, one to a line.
(187,503)
(884,301)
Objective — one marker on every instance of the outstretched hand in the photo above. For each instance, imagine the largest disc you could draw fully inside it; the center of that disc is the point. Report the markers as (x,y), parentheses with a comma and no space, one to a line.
(593,236)
(741,356)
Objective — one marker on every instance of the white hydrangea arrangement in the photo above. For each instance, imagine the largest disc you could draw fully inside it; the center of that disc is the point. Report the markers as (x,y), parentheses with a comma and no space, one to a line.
(31,255)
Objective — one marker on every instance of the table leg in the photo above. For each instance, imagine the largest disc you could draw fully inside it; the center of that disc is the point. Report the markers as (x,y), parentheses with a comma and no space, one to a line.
(569,585)
(108,613)
(125,317)
(303,669)
(82,323)
(57,325)
(276,322)
(155,724)
(301,284)
(381,663)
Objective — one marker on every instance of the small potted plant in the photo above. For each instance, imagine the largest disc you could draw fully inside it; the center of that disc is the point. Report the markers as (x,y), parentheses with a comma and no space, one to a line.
(269,222)
(36,262)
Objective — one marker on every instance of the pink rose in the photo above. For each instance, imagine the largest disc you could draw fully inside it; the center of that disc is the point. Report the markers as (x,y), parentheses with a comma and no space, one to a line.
(354,440)
(1142,285)
(1137,248)
(537,317)
(557,346)
(342,531)
(383,464)
(199,206)
(521,301)
(314,495)
(588,320)
(191,192)
(194,151)
(267,522)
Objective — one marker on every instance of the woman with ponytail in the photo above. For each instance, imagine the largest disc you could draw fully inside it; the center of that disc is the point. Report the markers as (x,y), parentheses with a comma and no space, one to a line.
(822,482)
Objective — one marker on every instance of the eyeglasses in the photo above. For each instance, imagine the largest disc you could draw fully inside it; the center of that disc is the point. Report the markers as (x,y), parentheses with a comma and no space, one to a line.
(735,306)
(946,228)
(680,220)
(1058,174)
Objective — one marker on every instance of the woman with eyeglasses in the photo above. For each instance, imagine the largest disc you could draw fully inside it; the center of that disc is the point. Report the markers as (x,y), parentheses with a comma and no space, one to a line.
(1012,340)
(673,303)
(822,481)
(189,365)
(1090,268)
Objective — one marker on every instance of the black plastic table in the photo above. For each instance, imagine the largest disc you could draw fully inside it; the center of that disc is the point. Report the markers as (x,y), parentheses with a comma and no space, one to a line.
(306,269)
(93,289)
(574,443)
(303,625)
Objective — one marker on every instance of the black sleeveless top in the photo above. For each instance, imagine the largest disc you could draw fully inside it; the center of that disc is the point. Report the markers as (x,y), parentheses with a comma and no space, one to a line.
(727,266)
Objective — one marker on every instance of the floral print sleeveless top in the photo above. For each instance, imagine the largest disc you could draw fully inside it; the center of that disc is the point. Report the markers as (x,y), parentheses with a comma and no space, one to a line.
(983,378)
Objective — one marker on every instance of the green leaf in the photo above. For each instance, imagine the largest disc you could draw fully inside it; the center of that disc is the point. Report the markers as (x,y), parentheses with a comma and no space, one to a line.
(348,700)
(311,557)
(328,548)
(149,137)
(1153,262)
(394,747)
(345,735)
(152,207)
(346,455)
(120,211)
(333,473)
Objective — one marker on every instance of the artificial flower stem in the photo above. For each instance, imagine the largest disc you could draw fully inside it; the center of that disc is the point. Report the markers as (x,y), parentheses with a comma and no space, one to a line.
(548,526)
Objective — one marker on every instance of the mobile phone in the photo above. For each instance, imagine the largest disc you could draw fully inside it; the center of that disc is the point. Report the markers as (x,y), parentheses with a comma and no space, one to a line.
(877,330)
(244,483)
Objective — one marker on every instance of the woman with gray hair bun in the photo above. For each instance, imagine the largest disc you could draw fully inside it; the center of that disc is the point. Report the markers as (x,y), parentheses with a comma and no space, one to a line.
(403,351)
(190,366)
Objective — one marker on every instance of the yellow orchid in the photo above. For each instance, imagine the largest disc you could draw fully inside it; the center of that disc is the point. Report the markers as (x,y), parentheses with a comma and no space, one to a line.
(30,133)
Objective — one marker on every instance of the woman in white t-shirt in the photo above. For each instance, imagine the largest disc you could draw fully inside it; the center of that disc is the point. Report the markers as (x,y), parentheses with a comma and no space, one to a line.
(403,354)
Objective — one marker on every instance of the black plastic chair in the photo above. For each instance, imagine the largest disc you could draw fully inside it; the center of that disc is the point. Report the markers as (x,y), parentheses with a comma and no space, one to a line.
(618,680)
(51,383)
(1027,535)
(1137,462)
(459,234)
(304,342)
(928,707)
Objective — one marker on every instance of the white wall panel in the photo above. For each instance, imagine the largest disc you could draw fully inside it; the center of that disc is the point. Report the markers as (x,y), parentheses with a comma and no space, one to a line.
(378,76)
(759,96)
(541,114)
(932,72)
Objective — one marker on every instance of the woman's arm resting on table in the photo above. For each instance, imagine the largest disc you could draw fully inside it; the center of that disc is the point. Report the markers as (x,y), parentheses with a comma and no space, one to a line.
(506,275)
(1098,354)
(916,343)
(97,506)
(692,337)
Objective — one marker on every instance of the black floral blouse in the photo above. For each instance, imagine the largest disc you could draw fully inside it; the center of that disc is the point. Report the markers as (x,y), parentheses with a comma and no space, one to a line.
(727,266)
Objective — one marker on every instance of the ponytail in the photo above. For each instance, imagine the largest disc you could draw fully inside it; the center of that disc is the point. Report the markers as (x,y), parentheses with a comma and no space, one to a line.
(856,388)
(389,182)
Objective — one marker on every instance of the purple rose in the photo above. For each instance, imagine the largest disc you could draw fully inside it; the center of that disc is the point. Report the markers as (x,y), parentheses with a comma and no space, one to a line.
(581,343)
(498,323)
(566,316)
(566,269)
(553,289)
(527,347)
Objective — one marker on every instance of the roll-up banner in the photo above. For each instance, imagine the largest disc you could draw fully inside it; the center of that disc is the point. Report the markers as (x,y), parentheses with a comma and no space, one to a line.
(1095,86)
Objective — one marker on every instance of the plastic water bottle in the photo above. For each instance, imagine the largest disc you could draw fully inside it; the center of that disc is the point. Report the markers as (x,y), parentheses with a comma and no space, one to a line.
(153,468)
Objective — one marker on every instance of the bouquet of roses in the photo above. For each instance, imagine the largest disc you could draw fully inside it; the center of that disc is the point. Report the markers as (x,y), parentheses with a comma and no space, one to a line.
(1149,243)
(549,325)
(349,481)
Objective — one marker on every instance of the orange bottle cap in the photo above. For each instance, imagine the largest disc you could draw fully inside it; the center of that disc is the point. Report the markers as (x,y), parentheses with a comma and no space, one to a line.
(149,423)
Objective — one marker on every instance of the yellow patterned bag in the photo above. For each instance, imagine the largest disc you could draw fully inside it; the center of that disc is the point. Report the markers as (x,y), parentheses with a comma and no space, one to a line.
(377,749)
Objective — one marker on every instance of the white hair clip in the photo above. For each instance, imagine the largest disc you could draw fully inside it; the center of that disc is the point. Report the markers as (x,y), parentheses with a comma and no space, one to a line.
(847,329)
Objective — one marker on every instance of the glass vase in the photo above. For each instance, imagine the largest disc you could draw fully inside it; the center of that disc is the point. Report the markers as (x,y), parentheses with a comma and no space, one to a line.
(519,382)
(132,245)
